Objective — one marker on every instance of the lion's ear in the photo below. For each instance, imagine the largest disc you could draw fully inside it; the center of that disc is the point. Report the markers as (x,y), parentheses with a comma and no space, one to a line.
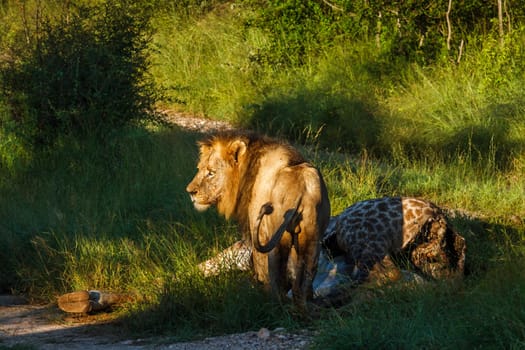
(236,149)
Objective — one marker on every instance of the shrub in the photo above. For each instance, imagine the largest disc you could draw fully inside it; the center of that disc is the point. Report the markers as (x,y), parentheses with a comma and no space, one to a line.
(296,30)
(82,73)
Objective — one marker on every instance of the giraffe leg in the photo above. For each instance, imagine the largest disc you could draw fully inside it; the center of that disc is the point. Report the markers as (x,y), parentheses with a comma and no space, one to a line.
(385,271)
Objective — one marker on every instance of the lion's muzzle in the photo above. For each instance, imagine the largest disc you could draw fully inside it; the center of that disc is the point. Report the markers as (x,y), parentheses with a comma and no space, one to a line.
(193,192)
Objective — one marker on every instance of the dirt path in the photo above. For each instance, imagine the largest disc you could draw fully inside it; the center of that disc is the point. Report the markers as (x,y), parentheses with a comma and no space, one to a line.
(193,123)
(46,327)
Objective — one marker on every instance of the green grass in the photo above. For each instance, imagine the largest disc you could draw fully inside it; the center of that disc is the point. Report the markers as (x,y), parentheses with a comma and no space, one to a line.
(117,218)
(120,220)
(214,79)
(84,200)
(346,93)
(485,314)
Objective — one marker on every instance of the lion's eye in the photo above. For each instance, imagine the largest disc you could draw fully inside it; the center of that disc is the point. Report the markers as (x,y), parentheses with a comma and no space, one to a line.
(210,173)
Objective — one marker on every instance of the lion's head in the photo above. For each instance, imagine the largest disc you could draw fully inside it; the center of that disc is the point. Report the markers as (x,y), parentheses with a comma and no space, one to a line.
(217,179)
(228,165)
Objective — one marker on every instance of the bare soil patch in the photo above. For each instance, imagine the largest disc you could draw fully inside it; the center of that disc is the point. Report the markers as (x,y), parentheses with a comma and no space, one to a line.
(192,123)
(47,327)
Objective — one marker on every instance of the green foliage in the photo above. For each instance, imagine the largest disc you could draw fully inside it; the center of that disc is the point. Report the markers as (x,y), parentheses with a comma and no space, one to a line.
(296,29)
(82,73)
(413,31)
(346,91)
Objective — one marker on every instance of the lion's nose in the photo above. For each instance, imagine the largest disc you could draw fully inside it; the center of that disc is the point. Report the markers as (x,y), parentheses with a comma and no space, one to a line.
(192,194)
(191,189)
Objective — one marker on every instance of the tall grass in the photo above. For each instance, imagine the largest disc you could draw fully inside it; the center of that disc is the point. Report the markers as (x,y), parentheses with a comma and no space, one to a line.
(203,64)
(120,221)
(137,186)
(347,93)
(473,186)
(85,191)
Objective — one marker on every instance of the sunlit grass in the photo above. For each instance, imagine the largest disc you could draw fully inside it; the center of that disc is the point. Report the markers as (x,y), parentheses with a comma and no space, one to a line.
(203,66)
(470,186)
(77,219)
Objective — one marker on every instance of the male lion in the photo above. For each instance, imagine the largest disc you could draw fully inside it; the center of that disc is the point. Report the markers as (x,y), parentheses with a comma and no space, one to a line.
(278,199)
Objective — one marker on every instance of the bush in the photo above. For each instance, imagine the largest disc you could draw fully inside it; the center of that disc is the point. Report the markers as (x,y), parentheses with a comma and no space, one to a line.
(81,74)
(296,30)
(404,31)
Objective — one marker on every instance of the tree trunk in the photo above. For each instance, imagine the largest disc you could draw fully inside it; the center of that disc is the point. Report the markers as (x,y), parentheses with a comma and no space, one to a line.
(500,21)
(449,26)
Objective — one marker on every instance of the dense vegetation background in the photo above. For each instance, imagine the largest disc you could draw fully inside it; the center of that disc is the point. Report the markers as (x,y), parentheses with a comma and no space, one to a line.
(413,98)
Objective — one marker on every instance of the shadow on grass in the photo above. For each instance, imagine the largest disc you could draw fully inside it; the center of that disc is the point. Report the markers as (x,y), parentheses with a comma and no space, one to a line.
(489,242)
(192,306)
(123,222)
(80,193)
(341,123)
(490,137)
(334,123)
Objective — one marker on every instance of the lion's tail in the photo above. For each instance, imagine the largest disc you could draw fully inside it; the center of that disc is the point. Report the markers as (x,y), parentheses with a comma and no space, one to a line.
(289,217)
